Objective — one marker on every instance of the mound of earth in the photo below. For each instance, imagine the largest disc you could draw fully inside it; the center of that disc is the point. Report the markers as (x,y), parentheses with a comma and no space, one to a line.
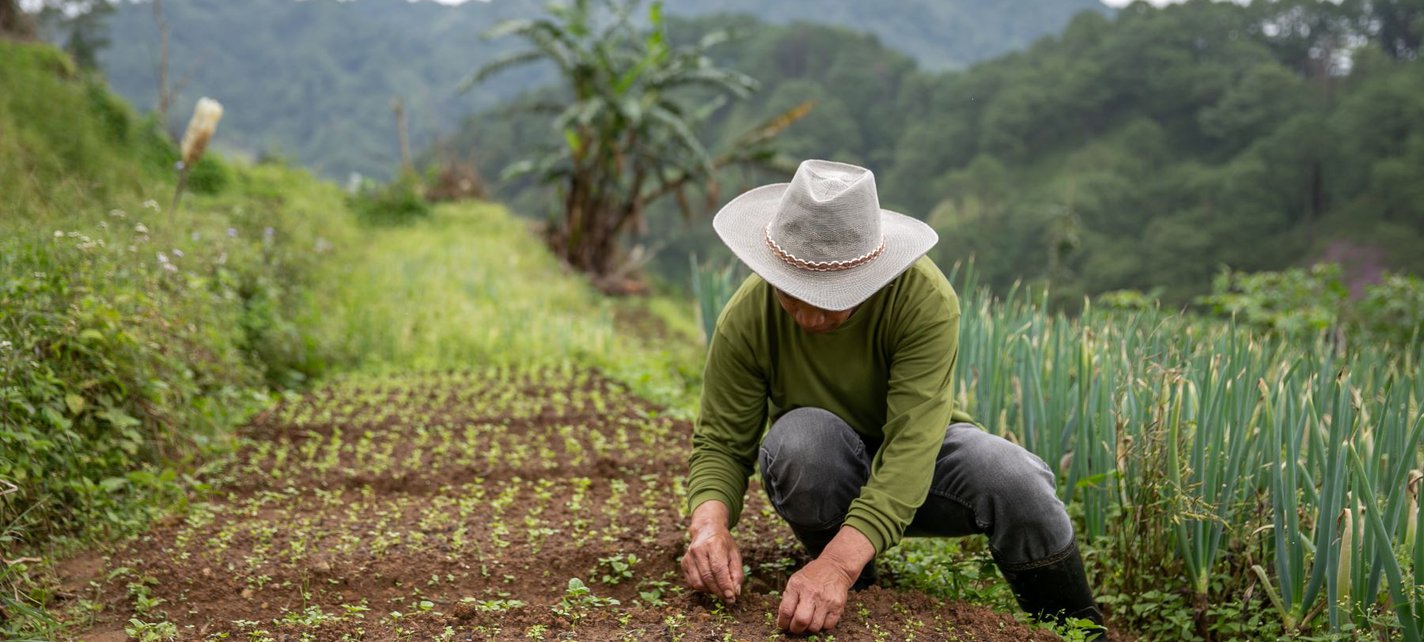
(492,505)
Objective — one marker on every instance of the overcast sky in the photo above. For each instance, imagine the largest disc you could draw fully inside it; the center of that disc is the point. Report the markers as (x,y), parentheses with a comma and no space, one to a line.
(1110,3)
(32,4)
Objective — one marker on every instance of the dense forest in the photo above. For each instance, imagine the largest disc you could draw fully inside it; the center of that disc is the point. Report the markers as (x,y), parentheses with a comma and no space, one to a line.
(314,80)
(1142,151)
(1147,149)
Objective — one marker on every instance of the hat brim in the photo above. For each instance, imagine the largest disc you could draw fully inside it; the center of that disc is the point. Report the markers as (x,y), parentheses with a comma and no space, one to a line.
(742,223)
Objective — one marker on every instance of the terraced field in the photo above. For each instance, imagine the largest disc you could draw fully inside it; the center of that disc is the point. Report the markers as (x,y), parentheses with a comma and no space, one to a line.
(493,505)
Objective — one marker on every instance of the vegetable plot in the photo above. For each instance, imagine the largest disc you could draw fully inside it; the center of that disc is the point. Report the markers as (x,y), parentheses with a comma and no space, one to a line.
(494,505)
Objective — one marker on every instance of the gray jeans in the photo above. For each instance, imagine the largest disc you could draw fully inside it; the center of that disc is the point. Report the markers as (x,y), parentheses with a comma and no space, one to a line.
(813,465)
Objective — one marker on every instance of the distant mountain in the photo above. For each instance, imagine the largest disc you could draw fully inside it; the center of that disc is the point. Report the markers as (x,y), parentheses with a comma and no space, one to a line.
(940,34)
(313,80)
(1148,150)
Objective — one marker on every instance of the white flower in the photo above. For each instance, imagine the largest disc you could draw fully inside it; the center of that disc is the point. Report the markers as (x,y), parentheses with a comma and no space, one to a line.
(151,204)
(59,234)
(177,252)
(162,258)
(196,236)
(118,213)
(141,228)
(5,345)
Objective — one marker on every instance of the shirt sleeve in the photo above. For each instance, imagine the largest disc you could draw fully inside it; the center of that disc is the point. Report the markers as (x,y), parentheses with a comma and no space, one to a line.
(919,408)
(730,419)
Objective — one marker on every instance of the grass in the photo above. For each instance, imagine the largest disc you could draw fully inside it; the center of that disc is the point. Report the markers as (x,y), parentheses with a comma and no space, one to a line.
(473,286)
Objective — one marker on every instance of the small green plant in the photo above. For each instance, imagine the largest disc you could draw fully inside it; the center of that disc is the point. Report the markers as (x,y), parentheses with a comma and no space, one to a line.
(652,591)
(151,631)
(617,569)
(578,599)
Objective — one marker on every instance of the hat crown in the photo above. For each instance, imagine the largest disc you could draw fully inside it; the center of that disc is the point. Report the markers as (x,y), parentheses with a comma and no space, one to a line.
(830,212)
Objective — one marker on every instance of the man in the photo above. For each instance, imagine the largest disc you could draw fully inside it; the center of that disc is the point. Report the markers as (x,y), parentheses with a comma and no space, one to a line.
(846,339)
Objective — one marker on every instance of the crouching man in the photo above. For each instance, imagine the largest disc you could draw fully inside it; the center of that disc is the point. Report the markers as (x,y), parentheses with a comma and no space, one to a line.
(846,338)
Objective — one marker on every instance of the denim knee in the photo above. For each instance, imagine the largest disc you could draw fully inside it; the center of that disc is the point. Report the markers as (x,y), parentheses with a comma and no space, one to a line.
(813,466)
(1010,491)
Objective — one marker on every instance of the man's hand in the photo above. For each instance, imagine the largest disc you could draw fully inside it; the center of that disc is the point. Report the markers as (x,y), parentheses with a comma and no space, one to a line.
(712,563)
(814,598)
(816,594)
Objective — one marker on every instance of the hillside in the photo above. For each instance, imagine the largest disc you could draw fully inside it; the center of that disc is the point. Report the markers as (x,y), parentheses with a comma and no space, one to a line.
(314,80)
(1144,151)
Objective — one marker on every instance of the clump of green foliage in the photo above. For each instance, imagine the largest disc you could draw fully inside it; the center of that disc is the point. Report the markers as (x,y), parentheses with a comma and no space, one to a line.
(1305,301)
(131,338)
(400,202)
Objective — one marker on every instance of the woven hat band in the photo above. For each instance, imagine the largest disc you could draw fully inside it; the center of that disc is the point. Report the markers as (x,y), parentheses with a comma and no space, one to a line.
(820,266)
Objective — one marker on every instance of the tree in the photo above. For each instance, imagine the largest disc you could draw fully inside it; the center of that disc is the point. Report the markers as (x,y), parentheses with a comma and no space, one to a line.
(1398,26)
(14,22)
(634,102)
(86,24)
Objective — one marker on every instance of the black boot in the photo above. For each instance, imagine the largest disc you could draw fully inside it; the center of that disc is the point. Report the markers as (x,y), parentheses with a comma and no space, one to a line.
(1055,589)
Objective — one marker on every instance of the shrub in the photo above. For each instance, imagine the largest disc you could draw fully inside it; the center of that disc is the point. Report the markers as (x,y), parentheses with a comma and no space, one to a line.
(1302,302)
(399,202)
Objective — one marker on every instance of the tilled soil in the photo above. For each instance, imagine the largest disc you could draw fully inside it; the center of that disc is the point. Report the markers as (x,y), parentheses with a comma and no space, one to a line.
(459,507)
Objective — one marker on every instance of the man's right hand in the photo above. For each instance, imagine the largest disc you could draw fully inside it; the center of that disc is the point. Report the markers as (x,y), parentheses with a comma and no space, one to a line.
(712,563)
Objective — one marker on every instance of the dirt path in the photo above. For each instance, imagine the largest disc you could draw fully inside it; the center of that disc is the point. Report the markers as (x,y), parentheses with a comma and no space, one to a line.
(460,507)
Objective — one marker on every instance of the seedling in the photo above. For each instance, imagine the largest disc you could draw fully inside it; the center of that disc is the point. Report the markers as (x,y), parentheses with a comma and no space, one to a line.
(578,599)
(617,568)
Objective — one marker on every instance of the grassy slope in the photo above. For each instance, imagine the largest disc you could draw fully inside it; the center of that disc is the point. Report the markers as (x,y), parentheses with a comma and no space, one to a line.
(473,286)
(155,335)
(131,339)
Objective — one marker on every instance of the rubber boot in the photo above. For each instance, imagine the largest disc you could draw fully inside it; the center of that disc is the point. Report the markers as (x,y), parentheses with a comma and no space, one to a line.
(1055,589)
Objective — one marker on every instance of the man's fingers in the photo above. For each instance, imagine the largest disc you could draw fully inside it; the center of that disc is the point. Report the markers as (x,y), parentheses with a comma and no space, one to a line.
(832,619)
(818,620)
(713,571)
(693,573)
(804,612)
(787,610)
(723,576)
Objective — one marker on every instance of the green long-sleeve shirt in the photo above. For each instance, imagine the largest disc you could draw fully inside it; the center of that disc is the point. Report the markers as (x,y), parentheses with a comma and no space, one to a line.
(886,371)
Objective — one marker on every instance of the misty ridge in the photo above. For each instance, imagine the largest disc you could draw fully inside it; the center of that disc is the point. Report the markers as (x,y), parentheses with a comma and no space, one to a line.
(1140,148)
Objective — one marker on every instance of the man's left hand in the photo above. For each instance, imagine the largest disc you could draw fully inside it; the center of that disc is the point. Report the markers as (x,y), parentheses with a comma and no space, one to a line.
(814,597)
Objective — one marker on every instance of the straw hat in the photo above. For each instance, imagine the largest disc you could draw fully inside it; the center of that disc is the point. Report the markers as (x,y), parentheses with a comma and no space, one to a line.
(823,238)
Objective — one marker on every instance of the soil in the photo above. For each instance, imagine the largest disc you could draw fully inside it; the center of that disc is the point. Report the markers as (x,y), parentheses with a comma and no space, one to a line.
(458,506)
